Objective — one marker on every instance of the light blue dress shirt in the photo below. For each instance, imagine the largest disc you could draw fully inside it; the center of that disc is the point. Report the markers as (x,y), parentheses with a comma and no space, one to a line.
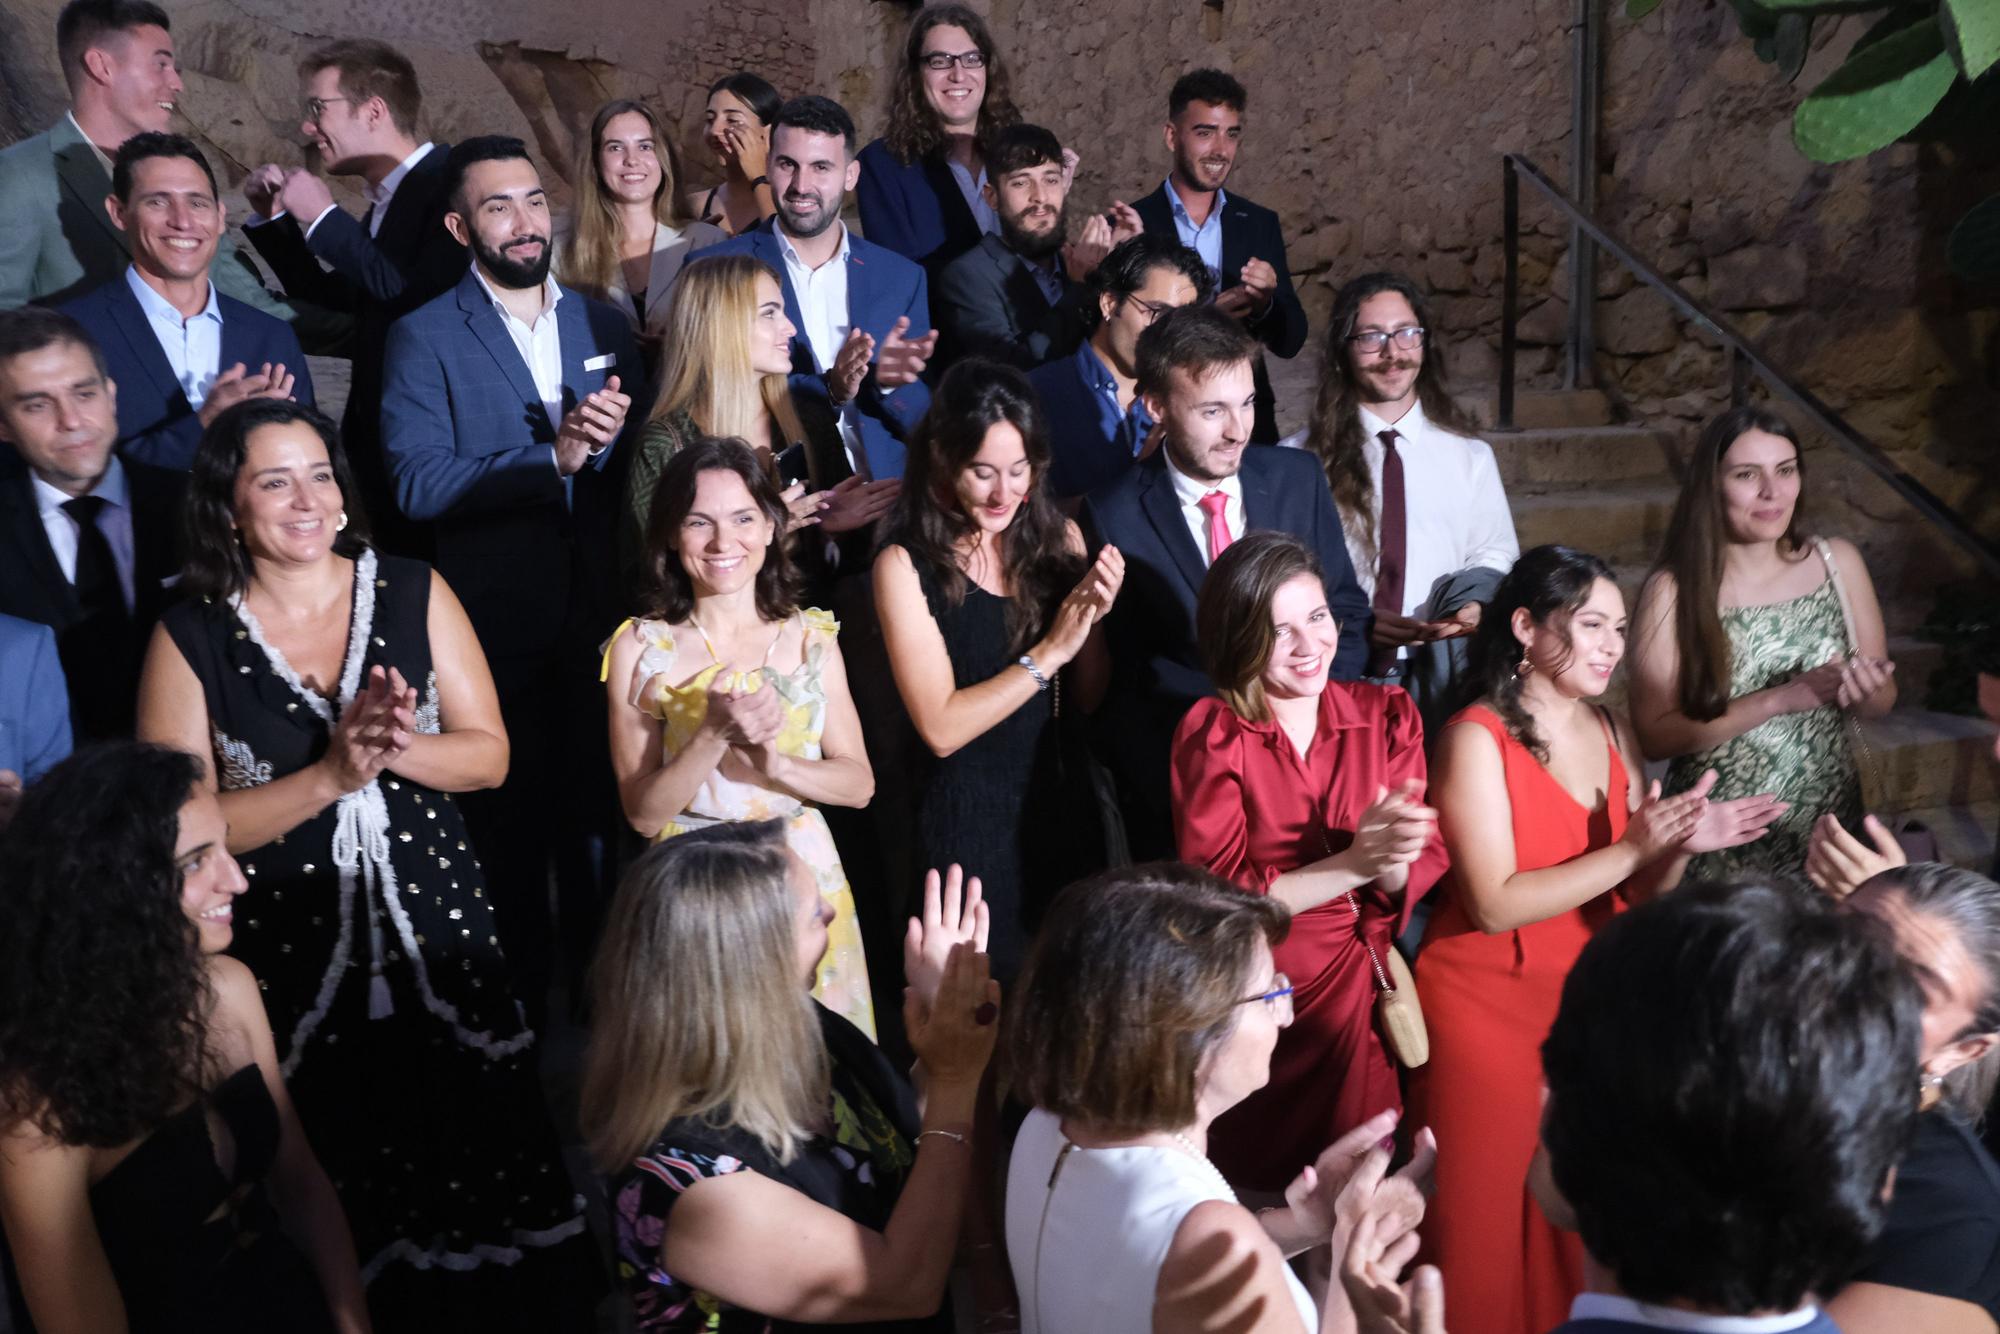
(193,346)
(974,190)
(1207,238)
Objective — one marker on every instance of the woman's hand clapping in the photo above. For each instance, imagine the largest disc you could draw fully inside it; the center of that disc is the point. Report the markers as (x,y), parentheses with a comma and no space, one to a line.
(954,913)
(745,716)
(1082,608)
(1662,824)
(373,731)
(1392,832)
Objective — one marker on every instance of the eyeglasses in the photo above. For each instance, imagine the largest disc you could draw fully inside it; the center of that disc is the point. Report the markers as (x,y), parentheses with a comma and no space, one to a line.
(1152,310)
(316,106)
(944,60)
(1278,1000)
(1374,340)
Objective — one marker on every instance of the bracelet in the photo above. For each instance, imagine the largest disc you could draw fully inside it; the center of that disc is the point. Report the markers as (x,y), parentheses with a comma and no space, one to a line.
(756,181)
(951,1135)
(1028,664)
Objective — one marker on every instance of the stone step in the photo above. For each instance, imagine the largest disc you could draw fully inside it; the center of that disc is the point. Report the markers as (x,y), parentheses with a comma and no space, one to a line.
(1924,760)
(1622,522)
(1917,660)
(1964,832)
(1541,409)
(1553,459)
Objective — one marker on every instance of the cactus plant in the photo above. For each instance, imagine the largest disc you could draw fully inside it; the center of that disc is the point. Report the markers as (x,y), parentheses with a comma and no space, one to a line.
(1880,94)
(1972,30)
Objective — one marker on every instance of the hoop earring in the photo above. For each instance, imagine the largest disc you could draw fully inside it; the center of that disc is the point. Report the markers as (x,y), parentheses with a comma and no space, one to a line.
(341,525)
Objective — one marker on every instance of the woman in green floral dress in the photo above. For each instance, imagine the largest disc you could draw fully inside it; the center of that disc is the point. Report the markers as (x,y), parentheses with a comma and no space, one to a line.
(1756,645)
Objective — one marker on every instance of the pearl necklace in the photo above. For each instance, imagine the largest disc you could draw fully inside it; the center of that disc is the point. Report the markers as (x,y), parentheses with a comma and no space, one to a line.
(1202,1158)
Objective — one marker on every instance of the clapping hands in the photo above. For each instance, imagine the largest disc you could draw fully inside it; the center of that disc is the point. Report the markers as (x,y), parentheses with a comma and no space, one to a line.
(900,361)
(1392,832)
(373,732)
(1082,608)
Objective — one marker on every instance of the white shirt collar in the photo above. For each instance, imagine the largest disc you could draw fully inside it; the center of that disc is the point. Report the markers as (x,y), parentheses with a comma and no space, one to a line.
(378,195)
(791,254)
(1190,491)
(1411,424)
(551,294)
(1606,1306)
(77,125)
(159,308)
(111,488)
(1180,209)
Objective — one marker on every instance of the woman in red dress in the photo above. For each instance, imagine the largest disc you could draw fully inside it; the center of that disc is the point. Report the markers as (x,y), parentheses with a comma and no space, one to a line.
(1310,791)
(1548,832)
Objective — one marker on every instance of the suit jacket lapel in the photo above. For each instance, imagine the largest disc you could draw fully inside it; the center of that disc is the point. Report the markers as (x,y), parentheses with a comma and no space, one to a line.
(484,321)
(573,331)
(1157,214)
(1259,502)
(84,177)
(1163,508)
(23,520)
(1235,242)
(400,234)
(137,331)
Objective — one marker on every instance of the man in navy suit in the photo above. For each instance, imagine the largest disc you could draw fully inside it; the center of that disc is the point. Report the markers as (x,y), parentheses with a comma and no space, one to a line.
(862,312)
(1240,242)
(1098,423)
(1170,516)
(503,402)
(361,102)
(179,350)
(89,542)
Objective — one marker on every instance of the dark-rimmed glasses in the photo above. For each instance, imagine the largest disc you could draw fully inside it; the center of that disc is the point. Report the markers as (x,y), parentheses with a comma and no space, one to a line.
(316,106)
(944,60)
(1409,338)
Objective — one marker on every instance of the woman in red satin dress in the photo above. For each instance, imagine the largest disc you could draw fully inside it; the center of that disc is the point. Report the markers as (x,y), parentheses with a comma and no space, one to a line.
(1550,828)
(1310,791)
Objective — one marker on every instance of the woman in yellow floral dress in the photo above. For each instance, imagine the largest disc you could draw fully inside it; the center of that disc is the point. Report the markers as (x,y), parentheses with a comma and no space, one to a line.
(729,701)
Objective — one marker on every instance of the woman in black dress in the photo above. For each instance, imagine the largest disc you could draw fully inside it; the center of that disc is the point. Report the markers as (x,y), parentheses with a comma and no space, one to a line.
(1936,1266)
(988,604)
(141,1111)
(342,696)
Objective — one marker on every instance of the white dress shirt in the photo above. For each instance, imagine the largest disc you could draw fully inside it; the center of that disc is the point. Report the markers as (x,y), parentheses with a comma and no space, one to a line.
(1205,240)
(1189,492)
(378,196)
(540,346)
(193,345)
(822,297)
(1455,514)
(1605,1306)
(114,521)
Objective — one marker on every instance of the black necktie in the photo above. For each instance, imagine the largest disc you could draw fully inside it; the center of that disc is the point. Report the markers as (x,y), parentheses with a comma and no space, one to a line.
(98,590)
(1394,546)
(97,648)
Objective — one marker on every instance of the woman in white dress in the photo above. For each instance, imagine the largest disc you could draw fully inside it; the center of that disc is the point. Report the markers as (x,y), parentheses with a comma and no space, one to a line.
(1149,1006)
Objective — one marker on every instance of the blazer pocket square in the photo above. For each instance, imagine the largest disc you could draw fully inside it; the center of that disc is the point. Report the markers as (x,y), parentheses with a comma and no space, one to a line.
(604,363)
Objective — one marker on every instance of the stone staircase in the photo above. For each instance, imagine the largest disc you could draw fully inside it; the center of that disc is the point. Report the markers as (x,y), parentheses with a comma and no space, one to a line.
(1573,476)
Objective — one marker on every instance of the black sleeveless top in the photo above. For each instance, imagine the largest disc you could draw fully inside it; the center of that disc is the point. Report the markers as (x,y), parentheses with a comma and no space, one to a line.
(198,1249)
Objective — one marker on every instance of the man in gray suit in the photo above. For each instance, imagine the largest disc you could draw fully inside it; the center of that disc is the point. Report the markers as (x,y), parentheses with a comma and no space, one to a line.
(56,238)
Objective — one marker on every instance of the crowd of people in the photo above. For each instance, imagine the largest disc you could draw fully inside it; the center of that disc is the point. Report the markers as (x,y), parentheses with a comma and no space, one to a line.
(992,805)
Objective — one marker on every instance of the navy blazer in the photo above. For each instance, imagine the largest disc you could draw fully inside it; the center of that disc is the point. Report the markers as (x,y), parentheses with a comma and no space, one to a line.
(1156,671)
(989,305)
(882,286)
(471,447)
(34,702)
(1249,231)
(156,423)
(1090,441)
(915,209)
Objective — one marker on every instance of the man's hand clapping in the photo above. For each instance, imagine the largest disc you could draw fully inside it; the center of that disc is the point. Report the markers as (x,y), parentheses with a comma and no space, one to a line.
(589,428)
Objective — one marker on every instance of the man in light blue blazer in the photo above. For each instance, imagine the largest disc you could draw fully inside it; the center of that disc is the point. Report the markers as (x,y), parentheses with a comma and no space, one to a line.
(176,347)
(503,403)
(34,708)
(862,312)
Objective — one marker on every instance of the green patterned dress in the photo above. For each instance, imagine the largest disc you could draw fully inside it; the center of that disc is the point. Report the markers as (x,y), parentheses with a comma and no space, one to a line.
(1805,758)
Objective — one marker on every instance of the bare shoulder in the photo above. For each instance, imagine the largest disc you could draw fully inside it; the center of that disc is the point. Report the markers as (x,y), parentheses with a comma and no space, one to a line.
(1073,537)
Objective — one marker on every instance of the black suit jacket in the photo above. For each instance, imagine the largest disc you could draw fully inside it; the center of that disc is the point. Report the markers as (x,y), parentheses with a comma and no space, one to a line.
(379,279)
(32,586)
(1156,671)
(1249,231)
(989,305)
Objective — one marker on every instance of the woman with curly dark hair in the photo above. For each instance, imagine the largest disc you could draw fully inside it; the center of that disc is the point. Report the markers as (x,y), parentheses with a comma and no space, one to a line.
(988,603)
(921,187)
(153,1175)
(1542,800)
(338,698)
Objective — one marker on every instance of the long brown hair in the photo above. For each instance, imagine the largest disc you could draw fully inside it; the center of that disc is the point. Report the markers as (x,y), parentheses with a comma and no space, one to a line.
(1335,434)
(1040,569)
(914,130)
(1232,618)
(670,589)
(1692,555)
(590,257)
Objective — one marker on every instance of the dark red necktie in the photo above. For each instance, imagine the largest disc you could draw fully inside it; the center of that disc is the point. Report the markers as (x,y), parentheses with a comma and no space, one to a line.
(1393,546)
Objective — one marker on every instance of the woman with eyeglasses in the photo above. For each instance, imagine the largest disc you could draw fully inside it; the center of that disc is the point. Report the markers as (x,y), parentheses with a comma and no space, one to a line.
(1308,791)
(921,182)
(1150,1006)
(1419,494)
(1936,1266)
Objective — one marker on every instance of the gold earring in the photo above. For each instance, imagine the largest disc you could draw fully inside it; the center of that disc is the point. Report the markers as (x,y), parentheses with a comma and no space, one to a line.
(1524,668)
(1930,1089)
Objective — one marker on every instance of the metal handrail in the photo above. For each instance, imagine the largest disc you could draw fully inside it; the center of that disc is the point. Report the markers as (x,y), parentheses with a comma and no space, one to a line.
(1745,357)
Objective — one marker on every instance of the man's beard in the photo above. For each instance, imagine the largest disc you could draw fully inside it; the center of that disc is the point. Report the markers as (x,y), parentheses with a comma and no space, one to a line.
(1029,245)
(515,274)
(820,220)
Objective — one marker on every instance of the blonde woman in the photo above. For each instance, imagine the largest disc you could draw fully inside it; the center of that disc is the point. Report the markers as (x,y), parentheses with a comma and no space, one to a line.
(630,234)
(740,1123)
(724,373)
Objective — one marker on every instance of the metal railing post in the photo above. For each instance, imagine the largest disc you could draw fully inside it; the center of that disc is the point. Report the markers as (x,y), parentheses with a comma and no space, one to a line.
(1580,347)
(1510,287)
(1740,375)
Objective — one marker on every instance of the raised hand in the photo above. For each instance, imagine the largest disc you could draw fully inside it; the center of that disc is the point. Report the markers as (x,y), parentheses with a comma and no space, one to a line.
(1125,222)
(237,383)
(804,506)
(750,145)
(1662,824)
(1731,824)
(589,428)
(1069,163)
(261,189)
(1104,579)
(903,359)
(1375,1255)
(954,913)
(1087,250)
(1838,862)
(850,366)
(953,1034)
(855,504)
(1392,832)
(1081,607)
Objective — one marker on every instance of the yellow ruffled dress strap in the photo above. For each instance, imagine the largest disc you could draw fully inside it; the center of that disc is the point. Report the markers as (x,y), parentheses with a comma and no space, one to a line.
(604,649)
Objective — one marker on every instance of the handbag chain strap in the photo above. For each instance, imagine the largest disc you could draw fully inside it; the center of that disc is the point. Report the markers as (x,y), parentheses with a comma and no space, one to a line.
(1374,960)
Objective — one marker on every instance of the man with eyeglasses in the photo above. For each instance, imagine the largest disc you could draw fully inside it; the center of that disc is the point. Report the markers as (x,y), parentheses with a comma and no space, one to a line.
(1430,532)
(57,240)
(359,111)
(1241,242)
(1097,419)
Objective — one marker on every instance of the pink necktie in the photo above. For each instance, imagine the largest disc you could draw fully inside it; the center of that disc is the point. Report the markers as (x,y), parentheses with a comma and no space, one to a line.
(1215,504)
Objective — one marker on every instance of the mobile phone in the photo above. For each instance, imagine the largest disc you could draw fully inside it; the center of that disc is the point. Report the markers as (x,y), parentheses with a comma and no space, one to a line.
(792,466)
